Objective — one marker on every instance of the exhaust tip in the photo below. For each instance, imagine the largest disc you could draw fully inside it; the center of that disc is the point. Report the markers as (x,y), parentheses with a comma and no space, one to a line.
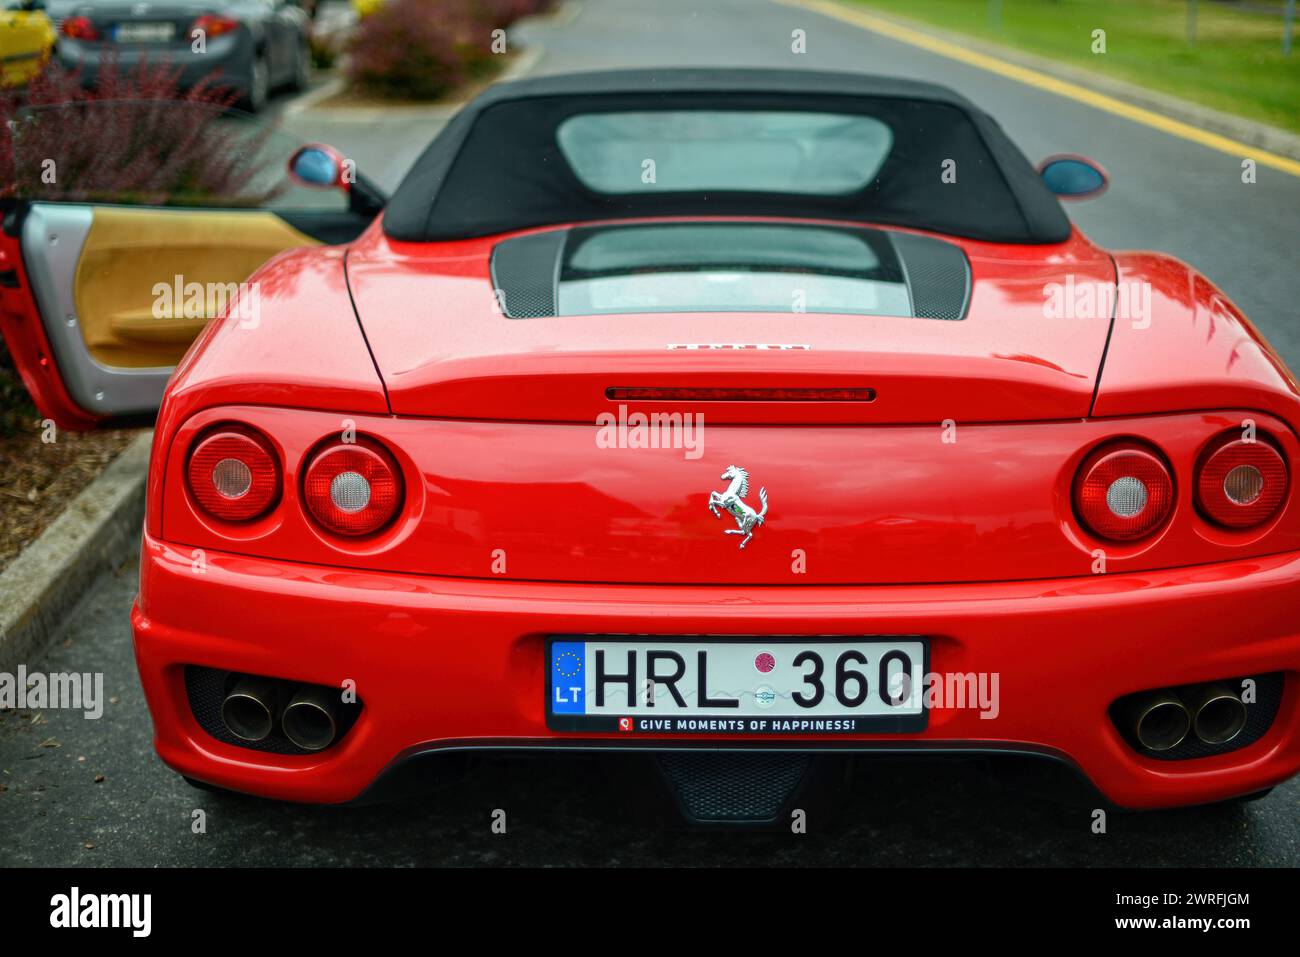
(1161,722)
(1220,716)
(311,719)
(249,710)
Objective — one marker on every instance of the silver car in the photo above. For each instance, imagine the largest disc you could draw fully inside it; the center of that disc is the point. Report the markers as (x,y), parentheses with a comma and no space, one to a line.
(248,46)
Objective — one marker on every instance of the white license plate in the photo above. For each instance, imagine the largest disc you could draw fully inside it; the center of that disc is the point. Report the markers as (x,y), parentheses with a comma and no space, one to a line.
(736,686)
(145,32)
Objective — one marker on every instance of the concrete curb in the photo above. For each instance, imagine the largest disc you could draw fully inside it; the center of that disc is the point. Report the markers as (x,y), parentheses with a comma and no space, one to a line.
(97,530)
(1250,132)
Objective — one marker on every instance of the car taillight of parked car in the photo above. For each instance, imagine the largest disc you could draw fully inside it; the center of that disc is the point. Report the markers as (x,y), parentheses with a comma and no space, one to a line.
(352,488)
(212,25)
(79,28)
(233,474)
(1123,492)
(1241,484)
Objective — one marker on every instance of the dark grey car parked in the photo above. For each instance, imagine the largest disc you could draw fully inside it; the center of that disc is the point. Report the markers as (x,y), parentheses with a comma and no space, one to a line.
(249,46)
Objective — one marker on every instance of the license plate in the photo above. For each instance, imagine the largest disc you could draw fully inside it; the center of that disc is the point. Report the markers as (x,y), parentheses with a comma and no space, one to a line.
(145,32)
(736,686)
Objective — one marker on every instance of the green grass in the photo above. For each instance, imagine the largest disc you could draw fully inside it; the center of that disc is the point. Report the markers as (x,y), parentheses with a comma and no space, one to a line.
(1235,66)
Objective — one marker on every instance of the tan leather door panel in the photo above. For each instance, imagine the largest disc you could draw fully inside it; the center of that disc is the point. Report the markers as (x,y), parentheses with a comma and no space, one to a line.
(130,254)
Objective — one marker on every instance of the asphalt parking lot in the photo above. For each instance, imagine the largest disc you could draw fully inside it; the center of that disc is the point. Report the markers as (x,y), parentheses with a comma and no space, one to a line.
(84,792)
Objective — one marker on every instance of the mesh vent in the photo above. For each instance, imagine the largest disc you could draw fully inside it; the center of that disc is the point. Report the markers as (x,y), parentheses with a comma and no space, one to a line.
(938,276)
(732,786)
(524,274)
(1259,718)
(207,689)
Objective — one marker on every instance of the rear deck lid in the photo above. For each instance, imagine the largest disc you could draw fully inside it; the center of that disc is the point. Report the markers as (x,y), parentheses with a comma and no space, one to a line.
(766,321)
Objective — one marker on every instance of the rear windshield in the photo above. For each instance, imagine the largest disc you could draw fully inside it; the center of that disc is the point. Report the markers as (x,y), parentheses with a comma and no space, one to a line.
(696,150)
(726,267)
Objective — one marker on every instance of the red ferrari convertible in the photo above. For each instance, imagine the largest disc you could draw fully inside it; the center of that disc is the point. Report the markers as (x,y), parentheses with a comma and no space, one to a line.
(747,420)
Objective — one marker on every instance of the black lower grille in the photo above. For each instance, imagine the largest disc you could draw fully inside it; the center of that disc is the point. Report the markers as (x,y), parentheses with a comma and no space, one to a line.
(733,787)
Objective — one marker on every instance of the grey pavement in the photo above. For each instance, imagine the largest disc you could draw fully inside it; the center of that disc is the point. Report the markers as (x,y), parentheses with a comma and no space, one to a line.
(1167,194)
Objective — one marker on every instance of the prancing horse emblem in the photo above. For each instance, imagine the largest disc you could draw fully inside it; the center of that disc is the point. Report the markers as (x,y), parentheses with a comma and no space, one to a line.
(732,500)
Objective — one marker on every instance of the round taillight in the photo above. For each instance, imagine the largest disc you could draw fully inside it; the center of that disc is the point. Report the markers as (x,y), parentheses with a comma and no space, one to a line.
(233,474)
(1241,484)
(352,488)
(1123,492)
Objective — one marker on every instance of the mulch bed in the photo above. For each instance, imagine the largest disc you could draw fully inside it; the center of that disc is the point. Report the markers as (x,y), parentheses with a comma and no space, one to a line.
(37,479)
(352,98)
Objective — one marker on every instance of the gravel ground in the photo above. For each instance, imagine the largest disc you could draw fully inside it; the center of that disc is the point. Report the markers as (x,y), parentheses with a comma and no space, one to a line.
(38,478)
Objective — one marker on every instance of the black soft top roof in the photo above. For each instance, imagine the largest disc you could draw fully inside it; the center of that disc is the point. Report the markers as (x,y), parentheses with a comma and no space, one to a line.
(496,167)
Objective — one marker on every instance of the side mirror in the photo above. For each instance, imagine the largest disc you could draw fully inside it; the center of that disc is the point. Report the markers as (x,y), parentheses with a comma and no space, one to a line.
(320,167)
(1070,176)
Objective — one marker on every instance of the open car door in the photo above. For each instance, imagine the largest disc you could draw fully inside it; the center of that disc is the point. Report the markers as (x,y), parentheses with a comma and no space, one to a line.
(130,225)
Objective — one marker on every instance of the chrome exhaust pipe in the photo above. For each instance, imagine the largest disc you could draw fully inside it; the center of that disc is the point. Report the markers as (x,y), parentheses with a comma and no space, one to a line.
(311,719)
(1219,714)
(249,711)
(1159,721)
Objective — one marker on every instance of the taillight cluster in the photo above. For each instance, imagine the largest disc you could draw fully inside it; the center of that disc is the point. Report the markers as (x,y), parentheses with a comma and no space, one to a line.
(234,474)
(1124,491)
(349,488)
(79,28)
(212,25)
(1240,484)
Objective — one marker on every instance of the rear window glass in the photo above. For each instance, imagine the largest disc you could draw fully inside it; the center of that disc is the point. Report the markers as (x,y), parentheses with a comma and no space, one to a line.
(725,267)
(736,150)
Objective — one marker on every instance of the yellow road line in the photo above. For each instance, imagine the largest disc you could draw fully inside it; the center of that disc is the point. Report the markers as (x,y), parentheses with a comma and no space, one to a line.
(1051,84)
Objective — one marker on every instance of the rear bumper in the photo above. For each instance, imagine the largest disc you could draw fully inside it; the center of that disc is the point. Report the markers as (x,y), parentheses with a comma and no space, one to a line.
(457,663)
(227,62)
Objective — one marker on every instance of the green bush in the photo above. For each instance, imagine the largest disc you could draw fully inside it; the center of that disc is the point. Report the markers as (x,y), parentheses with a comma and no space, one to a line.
(424,49)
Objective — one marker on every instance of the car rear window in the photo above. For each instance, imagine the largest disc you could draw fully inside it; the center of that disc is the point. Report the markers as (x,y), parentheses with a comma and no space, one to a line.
(805,153)
(730,267)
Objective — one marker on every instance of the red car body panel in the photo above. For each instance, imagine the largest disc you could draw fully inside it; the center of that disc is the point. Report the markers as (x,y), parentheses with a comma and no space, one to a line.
(542,502)
(457,356)
(310,353)
(972,543)
(451,663)
(491,424)
(1197,348)
(24,337)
